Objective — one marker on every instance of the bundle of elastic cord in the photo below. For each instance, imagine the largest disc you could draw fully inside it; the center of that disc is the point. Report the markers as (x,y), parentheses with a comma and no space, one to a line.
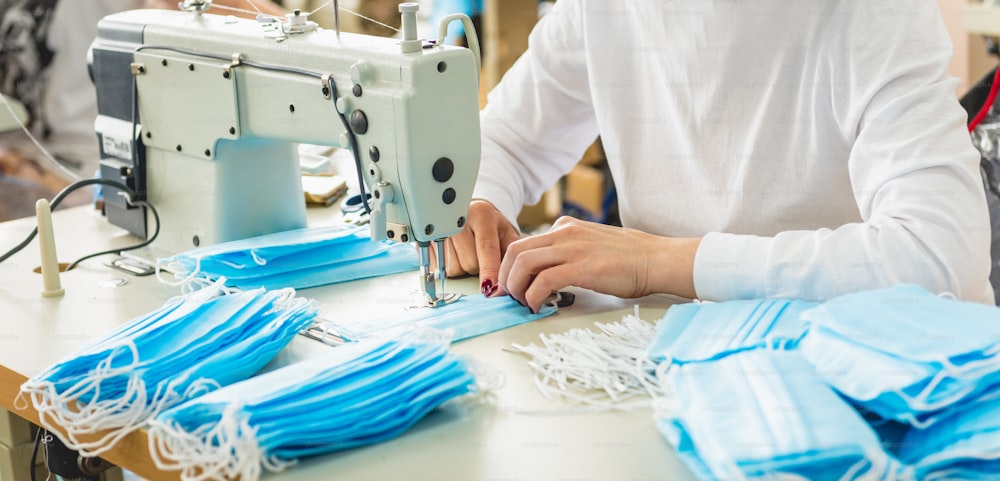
(191,345)
(618,366)
(604,370)
(357,394)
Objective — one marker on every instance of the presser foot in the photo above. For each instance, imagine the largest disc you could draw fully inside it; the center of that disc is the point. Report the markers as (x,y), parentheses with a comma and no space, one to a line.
(429,278)
(443,300)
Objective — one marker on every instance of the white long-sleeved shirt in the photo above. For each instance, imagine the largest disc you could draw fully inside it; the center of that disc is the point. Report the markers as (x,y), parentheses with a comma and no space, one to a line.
(816,145)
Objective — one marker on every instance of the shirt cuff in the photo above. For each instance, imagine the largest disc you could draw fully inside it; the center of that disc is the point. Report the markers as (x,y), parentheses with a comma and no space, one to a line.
(730,266)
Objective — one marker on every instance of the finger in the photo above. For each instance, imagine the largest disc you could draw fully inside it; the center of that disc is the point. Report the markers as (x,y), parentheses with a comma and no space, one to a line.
(507,237)
(527,266)
(452,266)
(516,248)
(488,253)
(545,282)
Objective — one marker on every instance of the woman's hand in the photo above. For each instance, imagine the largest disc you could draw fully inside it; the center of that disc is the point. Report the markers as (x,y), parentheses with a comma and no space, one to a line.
(478,248)
(612,260)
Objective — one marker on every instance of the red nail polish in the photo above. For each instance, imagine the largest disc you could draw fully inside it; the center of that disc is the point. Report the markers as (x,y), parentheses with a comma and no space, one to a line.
(493,290)
(487,287)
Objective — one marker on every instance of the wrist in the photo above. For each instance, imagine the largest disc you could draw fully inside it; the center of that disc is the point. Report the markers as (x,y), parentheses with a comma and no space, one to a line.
(671,270)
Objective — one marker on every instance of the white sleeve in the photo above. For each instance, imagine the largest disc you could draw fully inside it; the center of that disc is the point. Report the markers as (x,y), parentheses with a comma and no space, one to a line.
(914,173)
(539,119)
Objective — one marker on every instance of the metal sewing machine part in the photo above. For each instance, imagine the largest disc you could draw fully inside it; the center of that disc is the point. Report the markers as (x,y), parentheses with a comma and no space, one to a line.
(200,114)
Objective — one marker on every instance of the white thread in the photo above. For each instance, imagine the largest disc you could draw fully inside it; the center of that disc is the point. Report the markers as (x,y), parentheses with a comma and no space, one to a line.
(45,153)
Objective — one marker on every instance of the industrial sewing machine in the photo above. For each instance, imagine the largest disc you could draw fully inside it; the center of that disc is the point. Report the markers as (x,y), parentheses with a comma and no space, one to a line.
(201,113)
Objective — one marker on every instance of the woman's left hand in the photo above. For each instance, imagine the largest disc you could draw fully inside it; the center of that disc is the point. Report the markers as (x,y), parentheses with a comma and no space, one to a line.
(613,260)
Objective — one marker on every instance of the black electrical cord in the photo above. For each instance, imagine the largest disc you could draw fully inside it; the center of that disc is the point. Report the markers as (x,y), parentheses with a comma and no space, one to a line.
(354,145)
(34,453)
(77,185)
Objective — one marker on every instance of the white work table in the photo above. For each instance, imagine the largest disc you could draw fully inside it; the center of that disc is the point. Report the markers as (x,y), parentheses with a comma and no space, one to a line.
(514,434)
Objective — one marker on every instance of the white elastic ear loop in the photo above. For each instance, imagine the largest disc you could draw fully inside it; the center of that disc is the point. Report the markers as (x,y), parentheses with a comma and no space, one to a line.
(183,281)
(225,449)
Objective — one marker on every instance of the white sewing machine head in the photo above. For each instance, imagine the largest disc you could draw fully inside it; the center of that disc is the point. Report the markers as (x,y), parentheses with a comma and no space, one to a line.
(222,103)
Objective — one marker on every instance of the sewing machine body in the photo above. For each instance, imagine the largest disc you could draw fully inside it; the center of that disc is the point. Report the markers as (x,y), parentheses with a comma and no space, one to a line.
(222,102)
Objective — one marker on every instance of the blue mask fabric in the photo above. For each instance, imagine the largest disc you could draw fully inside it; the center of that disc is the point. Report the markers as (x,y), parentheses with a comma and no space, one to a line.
(765,414)
(297,259)
(191,345)
(964,444)
(904,353)
(468,317)
(357,394)
(710,330)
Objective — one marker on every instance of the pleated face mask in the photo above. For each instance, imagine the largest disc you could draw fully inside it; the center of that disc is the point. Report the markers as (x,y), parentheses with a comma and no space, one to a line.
(191,345)
(297,259)
(766,415)
(904,353)
(964,444)
(358,394)
(470,316)
(709,330)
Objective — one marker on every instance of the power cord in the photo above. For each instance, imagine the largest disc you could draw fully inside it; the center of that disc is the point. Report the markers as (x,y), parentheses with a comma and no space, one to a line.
(80,184)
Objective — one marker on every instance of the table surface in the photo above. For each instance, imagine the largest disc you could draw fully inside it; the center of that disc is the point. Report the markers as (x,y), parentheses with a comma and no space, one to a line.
(515,434)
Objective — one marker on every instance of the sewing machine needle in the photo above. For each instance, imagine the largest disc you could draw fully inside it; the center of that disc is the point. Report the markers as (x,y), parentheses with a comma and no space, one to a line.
(428,283)
(442,273)
(336,16)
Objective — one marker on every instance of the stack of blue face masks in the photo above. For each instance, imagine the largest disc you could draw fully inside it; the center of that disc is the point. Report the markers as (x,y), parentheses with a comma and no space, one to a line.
(964,444)
(357,394)
(705,331)
(766,415)
(904,353)
(191,345)
(298,259)
(468,317)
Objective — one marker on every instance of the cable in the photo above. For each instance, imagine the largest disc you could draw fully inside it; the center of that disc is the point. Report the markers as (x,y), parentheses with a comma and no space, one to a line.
(989,101)
(77,185)
(354,145)
(156,232)
(34,453)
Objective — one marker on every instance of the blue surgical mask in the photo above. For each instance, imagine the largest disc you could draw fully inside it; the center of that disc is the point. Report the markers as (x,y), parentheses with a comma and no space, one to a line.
(468,317)
(766,414)
(964,444)
(904,353)
(710,330)
(191,345)
(298,259)
(357,394)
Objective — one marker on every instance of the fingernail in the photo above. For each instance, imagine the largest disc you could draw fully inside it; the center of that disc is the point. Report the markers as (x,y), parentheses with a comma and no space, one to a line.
(516,300)
(487,287)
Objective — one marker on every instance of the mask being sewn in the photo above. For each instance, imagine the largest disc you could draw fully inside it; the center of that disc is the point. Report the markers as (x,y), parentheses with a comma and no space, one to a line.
(357,394)
(468,317)
(189,346)
(298,259)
